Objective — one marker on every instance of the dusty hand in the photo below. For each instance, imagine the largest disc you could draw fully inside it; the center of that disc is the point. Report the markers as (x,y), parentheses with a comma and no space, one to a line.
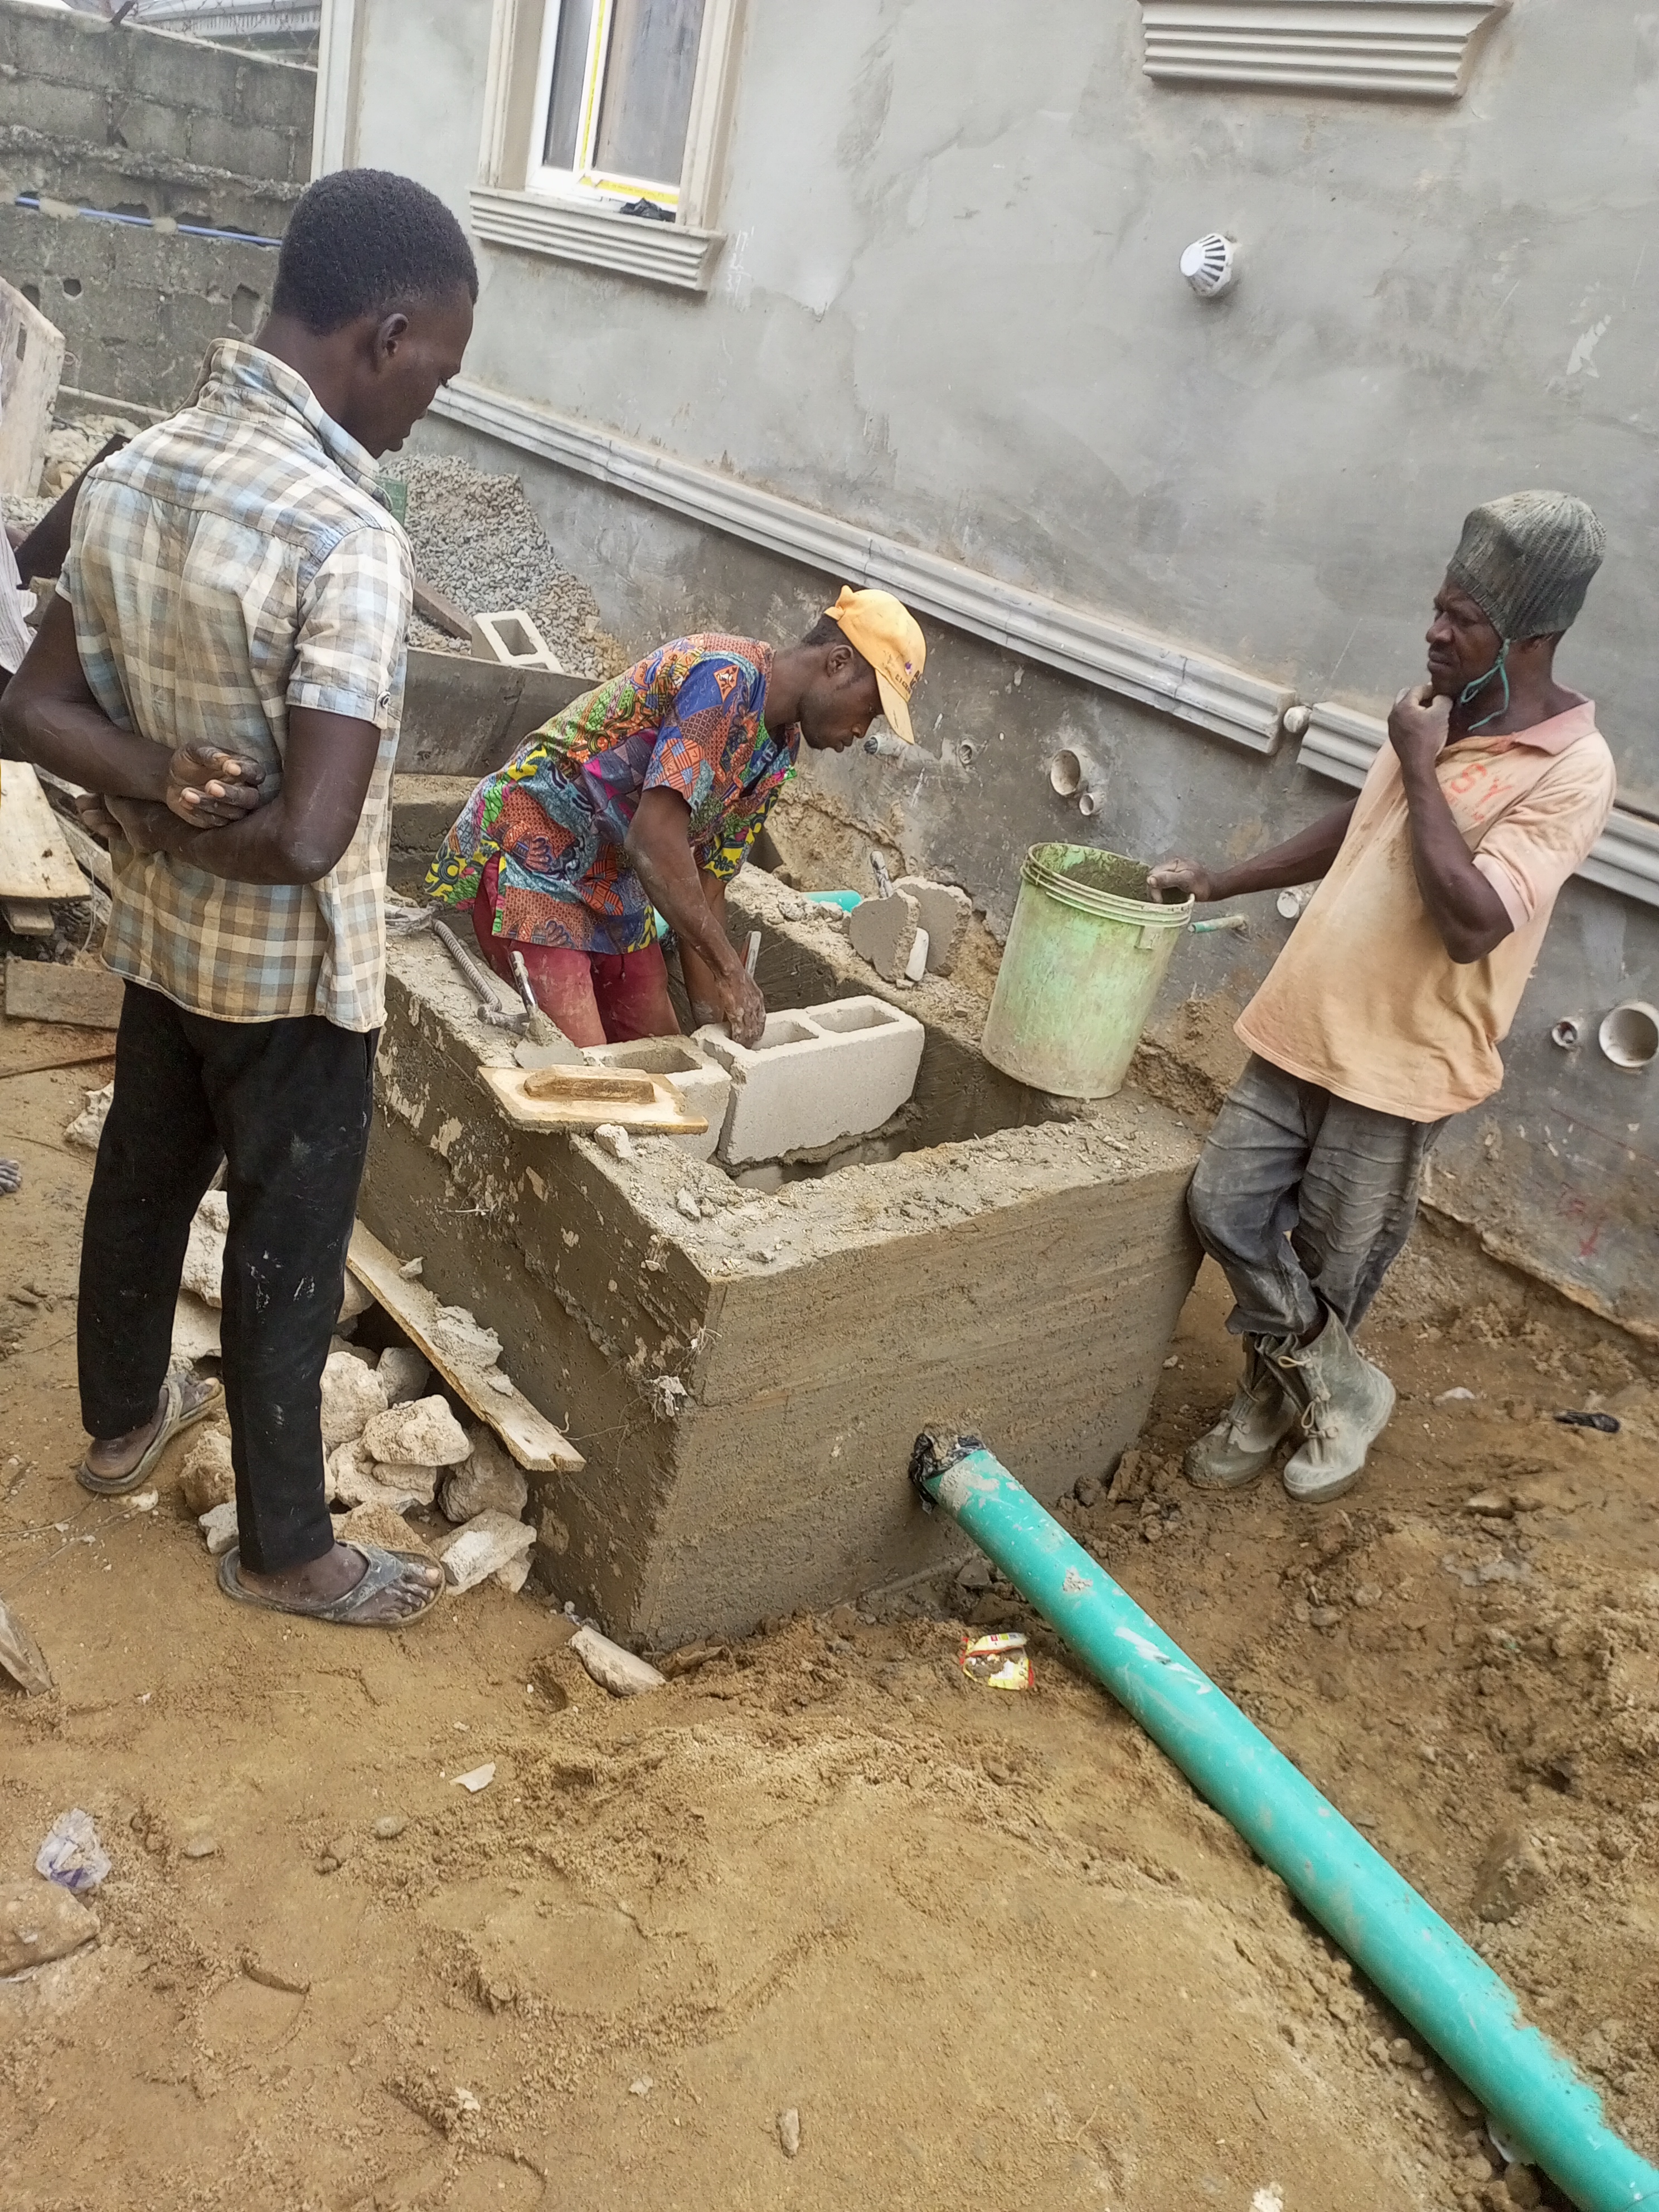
(742,1007)
(94,817)
(1419,724)
(1171,881)
(208,786)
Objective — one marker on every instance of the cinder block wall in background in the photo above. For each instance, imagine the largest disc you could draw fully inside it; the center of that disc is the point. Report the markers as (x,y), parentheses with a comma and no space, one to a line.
(143,124)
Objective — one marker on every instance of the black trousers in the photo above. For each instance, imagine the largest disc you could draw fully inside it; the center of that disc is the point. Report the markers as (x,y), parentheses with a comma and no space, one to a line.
(286,1104)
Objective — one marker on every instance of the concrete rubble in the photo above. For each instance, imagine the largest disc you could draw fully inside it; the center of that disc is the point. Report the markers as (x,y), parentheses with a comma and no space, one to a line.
(489,1544)
(206,1478)
(352,1394)
(490,1480)
(613,1667)
(40,1920)
(423,1433)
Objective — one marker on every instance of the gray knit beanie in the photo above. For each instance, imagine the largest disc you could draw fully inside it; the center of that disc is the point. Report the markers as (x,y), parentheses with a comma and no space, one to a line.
(1526,560)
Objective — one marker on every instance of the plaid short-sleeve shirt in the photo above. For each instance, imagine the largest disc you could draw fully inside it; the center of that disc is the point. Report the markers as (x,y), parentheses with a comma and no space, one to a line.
(688,717)
(235,561)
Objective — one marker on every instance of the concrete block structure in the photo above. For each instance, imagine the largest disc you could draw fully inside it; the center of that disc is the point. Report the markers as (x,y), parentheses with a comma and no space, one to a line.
(172,136)
(818,1075)
(746,1387)
(699,1078)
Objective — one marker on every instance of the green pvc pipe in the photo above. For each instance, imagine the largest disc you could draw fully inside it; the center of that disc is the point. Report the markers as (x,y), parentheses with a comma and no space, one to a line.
(1543,2110)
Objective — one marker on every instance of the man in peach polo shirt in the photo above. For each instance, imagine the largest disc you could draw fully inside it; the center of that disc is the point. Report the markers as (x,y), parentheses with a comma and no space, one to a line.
(1383,1016)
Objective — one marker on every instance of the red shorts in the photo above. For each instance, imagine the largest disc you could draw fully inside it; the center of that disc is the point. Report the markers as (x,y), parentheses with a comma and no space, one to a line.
(596,997)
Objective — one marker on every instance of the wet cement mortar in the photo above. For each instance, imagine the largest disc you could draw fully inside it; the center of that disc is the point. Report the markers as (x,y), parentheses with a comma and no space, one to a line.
(989,1947)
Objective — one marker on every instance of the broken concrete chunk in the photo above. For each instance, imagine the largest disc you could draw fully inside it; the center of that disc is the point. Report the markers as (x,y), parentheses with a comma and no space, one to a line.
(460,1338)
(204,1259)
(489,1543)
(613,1669)
(612,1138)
(423,1433)
(356,1300)
(946,914)
(88,1126)
(405,1372)
(515,1575)
(354,1477)
(21,1657)
(39,1921)
(352,1393)
(491,1481)
(207,1478)
(883,931)
(379,1524)
(219,1526)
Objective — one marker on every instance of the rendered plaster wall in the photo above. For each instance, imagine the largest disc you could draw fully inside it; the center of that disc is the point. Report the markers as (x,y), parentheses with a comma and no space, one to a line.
(143,124)
(948,310)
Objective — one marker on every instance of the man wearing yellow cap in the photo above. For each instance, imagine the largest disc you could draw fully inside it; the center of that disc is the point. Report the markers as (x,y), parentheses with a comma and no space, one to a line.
(648,791)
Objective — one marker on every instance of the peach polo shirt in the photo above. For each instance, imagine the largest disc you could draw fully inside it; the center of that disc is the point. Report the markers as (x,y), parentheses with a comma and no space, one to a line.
(1365,1000)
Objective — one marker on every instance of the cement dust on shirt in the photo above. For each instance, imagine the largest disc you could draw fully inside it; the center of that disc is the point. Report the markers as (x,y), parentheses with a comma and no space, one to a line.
(1365,1000)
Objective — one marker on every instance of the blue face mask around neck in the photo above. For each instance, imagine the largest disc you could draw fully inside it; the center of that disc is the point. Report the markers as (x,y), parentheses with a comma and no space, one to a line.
(1499,667)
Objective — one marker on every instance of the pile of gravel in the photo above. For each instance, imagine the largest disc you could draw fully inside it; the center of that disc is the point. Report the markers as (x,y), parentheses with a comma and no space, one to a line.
(476,537)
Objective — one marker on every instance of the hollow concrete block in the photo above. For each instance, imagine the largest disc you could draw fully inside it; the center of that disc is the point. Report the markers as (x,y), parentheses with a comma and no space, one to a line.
(820,1073)
(701,1080)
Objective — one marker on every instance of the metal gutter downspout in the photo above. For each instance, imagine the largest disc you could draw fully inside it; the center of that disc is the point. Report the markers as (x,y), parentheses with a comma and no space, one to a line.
(1425,1970)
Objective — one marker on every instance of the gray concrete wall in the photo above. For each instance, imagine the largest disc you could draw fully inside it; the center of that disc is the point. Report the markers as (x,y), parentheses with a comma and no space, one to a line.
(142,123)
(949,310)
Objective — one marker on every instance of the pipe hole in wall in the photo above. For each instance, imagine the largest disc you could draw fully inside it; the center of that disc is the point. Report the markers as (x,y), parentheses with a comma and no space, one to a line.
(1629,1035)
(1569,1032)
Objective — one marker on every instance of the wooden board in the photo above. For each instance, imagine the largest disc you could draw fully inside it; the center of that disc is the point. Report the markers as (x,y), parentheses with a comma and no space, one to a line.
(531,1437)
(566,1103)
(47,991)
(31,363)
(36,859)
(26,917)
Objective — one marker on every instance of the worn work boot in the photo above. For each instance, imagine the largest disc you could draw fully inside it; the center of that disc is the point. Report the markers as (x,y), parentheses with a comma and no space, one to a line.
(1263,1414)
(1346,1405)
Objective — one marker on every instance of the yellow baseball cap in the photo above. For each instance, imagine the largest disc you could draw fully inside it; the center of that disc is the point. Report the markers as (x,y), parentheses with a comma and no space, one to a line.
(890,637)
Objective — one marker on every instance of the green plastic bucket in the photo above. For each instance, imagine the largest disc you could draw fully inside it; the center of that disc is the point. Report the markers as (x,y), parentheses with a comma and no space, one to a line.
(1082,966)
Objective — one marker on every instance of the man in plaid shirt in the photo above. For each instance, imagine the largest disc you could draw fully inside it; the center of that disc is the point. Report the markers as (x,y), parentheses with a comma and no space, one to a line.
(224,667)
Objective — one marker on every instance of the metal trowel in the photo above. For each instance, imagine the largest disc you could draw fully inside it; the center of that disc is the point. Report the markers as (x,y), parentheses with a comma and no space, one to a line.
(545,1044)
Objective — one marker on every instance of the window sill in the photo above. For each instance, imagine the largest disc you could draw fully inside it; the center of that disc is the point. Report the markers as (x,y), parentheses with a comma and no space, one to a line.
(634,245)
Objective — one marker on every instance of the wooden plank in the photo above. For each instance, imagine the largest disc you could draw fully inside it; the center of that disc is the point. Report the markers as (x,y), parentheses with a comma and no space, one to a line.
(31,363)
(47,991)
(531,1437)
(567,1102)
(26,917)
(441,610)
(36,859)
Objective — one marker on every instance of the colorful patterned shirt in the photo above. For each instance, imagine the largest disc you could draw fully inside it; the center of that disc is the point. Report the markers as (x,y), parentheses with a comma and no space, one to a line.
(687,718)
(235,561)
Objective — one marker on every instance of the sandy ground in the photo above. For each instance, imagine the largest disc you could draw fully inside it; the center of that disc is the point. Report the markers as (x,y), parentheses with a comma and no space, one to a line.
(990,1947)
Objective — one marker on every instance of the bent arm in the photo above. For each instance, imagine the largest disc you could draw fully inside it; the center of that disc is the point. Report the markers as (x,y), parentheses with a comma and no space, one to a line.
(659,850)
(1462,903)
(1300,860)
(49,715)
(302,833)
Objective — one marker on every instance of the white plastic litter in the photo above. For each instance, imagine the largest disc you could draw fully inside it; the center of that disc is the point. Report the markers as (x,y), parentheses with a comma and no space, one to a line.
(71,1855)
(479,1779)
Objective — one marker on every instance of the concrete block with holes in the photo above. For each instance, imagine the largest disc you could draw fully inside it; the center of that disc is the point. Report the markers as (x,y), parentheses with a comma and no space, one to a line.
(699,1078)
(818,1075)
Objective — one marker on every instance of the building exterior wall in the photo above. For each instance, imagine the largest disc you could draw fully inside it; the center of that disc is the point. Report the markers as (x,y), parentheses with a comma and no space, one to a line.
(947,312)
(163,129)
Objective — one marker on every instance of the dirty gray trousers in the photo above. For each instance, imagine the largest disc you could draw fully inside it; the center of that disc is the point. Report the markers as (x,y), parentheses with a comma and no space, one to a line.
(1304,1201)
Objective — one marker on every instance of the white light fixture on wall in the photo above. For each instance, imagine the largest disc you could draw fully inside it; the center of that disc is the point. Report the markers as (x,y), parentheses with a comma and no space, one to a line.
(1209,265)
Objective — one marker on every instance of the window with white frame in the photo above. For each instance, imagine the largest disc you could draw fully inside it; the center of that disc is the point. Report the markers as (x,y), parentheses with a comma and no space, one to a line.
(613,99)
(603,128)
